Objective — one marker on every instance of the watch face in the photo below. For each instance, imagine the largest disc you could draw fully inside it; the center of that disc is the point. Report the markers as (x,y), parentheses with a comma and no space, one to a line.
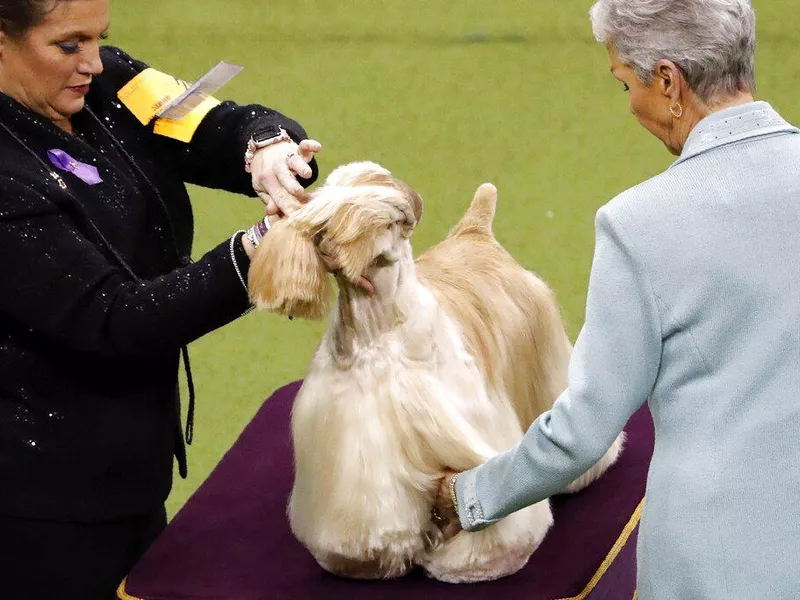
(266,133)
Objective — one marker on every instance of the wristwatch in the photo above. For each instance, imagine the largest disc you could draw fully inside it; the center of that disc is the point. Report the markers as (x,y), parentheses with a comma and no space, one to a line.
(261,138)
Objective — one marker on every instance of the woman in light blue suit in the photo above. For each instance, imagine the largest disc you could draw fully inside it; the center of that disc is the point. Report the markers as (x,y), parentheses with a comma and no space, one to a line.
(694,306)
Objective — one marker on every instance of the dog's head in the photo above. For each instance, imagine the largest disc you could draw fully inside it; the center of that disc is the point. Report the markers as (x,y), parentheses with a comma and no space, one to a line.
(359,220)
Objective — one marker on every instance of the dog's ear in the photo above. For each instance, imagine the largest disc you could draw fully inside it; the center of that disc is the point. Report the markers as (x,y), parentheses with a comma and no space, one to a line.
(287,275)
(372,174)
(348,221)
(413,197)
(354,256)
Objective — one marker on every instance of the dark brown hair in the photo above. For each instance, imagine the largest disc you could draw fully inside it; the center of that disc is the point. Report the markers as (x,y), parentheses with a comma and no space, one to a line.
(17,17)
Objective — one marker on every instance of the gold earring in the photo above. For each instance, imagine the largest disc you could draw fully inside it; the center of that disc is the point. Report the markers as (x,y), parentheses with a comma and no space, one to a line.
(677,113)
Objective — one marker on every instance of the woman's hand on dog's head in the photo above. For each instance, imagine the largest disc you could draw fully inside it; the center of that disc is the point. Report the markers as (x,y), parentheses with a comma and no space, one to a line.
(274,171)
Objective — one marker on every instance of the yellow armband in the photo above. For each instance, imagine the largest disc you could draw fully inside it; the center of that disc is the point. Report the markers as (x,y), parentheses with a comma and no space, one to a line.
(150,91)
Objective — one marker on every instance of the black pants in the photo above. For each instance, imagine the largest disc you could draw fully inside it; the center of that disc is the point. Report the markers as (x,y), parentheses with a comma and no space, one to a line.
(44,560)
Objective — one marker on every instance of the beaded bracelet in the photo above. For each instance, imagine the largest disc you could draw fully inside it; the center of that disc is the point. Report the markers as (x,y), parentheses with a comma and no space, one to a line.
(257,232)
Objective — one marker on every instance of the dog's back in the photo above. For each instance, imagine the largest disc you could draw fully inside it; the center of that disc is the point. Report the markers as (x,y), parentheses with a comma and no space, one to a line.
(509,317)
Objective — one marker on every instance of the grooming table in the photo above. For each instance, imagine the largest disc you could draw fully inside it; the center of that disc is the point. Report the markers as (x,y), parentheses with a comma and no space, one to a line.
(232,540)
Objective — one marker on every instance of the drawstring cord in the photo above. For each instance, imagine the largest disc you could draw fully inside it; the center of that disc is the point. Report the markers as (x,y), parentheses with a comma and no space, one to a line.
(190,384)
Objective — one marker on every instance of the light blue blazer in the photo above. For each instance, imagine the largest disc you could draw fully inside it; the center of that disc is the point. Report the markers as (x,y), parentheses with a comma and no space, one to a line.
(694,304)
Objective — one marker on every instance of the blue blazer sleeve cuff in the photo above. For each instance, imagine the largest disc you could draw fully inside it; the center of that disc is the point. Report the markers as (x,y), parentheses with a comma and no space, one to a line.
(470,511)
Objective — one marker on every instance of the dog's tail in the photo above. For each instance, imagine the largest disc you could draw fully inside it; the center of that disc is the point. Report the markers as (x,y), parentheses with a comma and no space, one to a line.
(480,214)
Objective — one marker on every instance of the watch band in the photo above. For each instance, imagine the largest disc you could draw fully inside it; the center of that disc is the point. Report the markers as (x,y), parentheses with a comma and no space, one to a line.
(261,139)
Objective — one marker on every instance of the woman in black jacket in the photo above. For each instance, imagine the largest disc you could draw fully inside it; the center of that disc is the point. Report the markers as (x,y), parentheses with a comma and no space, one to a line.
(98,293)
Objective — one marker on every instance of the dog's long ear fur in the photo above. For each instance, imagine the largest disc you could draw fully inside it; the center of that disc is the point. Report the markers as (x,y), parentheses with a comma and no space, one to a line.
(349,218)
(369,173)
(287,275)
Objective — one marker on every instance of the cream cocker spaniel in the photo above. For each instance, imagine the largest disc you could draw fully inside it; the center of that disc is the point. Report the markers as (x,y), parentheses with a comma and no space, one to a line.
(446,365)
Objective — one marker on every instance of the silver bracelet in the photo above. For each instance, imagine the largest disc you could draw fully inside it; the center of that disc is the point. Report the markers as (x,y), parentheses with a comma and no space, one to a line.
(233,260)
(453,498)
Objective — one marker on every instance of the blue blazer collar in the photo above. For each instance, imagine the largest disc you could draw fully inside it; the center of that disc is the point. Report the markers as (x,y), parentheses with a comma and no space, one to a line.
(734,124)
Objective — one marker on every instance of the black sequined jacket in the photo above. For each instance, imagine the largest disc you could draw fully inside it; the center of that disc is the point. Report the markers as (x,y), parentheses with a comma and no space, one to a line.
(97,298)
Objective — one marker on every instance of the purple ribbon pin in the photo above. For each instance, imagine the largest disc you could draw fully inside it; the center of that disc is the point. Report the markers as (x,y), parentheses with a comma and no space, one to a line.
(84,172)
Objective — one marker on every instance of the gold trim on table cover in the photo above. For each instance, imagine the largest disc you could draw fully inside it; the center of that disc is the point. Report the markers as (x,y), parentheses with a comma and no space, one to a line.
(612,555)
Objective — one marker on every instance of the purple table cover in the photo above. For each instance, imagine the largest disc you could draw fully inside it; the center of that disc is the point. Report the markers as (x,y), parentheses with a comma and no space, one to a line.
(232,540)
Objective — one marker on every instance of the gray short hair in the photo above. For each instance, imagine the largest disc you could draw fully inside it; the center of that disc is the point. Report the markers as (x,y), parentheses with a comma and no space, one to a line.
(712,41)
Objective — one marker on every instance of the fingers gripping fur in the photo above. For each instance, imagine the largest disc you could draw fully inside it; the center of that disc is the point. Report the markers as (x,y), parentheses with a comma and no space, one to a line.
(480,214)
(287,275)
